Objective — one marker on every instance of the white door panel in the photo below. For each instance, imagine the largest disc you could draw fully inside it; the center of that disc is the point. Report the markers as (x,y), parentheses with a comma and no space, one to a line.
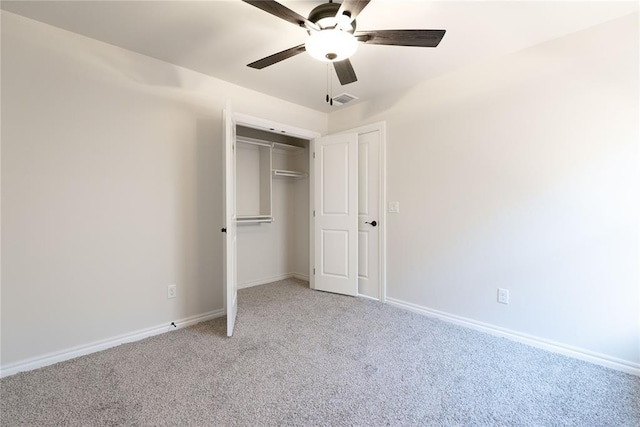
(363,254)
(334,179)
(230,246)
(335,262)
(336,214)
(363,176)
(368,196)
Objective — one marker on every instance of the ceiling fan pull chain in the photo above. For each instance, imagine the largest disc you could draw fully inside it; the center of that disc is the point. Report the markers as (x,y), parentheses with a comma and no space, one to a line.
(330,86)
(327,98)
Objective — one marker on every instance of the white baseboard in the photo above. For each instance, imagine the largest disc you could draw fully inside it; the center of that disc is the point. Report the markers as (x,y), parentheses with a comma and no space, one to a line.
(272,279)
(300,276)
(556,347)
(368,297)
(81,350)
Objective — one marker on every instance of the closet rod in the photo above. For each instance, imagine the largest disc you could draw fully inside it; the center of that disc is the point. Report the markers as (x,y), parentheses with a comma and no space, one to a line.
(254,141)
(253,220)
(290,174)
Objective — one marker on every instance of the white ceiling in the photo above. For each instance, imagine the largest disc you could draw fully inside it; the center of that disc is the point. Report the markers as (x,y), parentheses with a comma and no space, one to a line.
(220,37)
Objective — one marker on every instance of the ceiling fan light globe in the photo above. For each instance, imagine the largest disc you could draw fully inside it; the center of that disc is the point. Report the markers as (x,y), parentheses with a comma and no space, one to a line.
(331,45)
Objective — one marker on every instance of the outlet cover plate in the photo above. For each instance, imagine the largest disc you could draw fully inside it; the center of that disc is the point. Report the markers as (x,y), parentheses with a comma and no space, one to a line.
(171,291)
(394,207)
(503,296)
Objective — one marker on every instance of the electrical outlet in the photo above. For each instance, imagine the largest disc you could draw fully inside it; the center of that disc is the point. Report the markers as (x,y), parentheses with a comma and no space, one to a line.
(503,296)
(171,291)
(394,207)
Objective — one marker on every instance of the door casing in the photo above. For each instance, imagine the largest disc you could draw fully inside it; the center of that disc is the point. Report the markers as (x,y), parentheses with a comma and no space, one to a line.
(279,128)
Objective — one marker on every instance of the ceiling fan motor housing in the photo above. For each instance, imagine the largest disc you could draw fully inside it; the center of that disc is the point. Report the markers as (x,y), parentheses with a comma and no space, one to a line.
(324,16)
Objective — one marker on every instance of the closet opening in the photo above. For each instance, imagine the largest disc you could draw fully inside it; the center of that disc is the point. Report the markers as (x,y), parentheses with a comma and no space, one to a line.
(272,206)
(298,204)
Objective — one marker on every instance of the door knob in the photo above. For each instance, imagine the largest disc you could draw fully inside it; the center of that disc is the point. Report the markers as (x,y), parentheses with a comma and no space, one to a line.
(373,223)
(224,230)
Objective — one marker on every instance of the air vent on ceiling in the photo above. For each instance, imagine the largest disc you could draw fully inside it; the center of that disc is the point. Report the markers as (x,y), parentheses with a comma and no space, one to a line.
(343,98)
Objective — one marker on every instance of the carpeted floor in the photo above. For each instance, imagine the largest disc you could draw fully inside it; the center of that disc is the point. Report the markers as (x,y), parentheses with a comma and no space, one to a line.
(300,357)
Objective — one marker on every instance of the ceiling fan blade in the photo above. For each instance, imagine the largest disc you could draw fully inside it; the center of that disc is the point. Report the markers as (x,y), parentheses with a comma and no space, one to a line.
(283,12)
(345,72)
(420,38)
(277,57)
(354,7)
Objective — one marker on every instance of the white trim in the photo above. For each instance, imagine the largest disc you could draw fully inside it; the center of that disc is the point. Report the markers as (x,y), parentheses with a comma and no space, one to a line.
(259,282)
(82,350)
(273,127)
(300,276)
(382,242)
(312,219)
(368,297)
(553,346)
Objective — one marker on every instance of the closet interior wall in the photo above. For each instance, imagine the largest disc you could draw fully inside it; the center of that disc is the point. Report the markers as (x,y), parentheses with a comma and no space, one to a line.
(276,248)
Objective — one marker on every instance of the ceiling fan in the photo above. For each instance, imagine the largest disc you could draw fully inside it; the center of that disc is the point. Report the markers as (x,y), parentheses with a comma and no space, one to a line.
(333,36)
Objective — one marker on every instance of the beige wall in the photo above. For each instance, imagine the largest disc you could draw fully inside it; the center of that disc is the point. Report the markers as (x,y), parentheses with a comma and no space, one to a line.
(111,188)
(521,173)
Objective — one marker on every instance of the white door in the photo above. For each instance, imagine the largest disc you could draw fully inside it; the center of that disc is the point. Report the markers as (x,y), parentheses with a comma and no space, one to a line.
(230,245)
(368,214)
(336,214)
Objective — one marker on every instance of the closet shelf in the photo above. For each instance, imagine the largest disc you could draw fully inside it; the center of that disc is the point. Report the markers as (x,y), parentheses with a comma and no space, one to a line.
(292,149)
(277,173)
(254,141)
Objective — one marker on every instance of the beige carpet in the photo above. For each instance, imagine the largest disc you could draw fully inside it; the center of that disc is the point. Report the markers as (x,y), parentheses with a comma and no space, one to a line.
(301,357)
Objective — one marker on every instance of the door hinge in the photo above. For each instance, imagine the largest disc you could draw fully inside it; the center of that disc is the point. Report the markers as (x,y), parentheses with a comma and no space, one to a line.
(314,154)
(314,271)
(314,213)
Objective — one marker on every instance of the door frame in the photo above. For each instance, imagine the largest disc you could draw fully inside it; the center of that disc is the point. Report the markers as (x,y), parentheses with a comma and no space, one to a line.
(274,127)
(381,127)
(249,121)
(279,128)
